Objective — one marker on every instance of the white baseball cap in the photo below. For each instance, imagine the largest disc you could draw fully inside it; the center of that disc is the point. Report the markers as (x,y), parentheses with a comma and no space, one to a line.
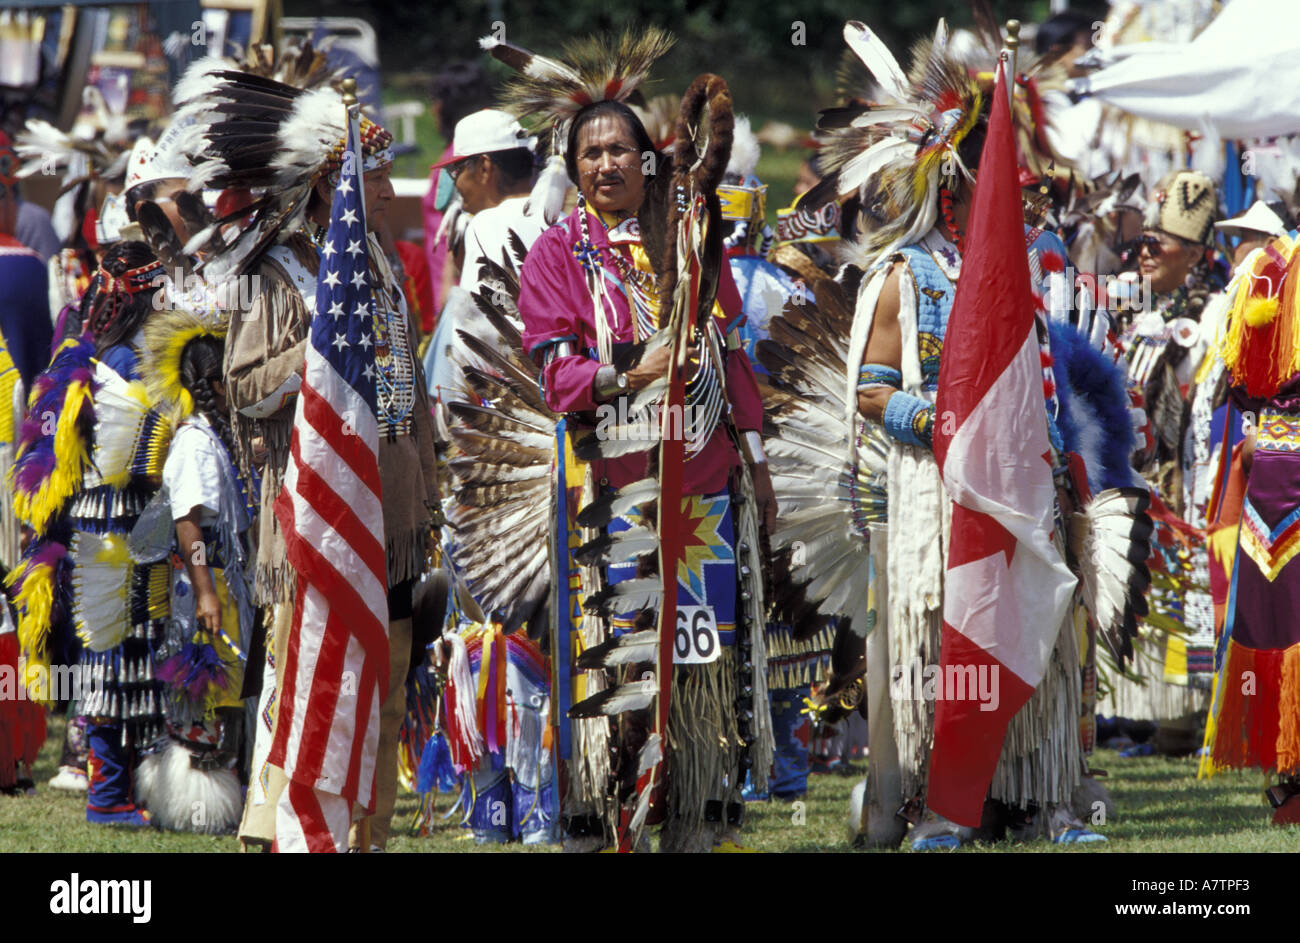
(1259,218)
(485,132)
(162,161)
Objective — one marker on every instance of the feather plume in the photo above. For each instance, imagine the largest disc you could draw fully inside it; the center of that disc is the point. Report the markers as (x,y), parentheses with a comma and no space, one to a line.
(54,441)
(618,502)
(628,596)
(593,69)
(165,337)
(744,150)
(630,648)
(875,55)
(892,151)
(172,788)
(635,696)
(617,546)
(1112,542)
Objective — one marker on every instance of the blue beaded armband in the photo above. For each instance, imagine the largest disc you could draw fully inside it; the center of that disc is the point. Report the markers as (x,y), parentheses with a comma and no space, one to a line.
(875,375)
(910,420)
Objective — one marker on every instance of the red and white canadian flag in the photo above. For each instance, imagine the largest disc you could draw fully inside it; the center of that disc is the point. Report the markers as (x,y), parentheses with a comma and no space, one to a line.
(1007,588)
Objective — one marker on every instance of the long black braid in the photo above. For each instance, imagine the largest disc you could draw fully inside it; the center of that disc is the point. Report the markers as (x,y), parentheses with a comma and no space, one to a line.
(200,367)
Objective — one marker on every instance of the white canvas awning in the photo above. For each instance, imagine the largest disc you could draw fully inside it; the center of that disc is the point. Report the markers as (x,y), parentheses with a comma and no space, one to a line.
(1239,78)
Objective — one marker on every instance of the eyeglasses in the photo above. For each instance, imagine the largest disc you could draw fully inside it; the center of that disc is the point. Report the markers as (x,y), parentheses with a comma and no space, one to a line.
(455,170)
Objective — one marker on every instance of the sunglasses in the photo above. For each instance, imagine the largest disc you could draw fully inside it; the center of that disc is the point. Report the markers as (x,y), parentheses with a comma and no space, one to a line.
(1156,246)
(1153,244)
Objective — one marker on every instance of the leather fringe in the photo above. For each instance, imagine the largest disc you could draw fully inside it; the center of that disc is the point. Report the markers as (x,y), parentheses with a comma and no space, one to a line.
(703,751)
(1042,759)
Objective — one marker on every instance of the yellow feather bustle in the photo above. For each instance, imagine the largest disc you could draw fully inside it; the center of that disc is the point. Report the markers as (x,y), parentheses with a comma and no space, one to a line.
(35,603)
(165,338)
(10,385)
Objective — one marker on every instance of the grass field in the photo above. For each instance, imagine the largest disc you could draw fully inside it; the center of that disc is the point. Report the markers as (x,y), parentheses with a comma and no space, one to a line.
(1160,807)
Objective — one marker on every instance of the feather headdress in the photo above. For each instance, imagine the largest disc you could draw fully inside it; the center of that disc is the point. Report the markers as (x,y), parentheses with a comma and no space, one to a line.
(166,336)
(273,140)
(898,151)
(44,148)
(659,117)
(594,69)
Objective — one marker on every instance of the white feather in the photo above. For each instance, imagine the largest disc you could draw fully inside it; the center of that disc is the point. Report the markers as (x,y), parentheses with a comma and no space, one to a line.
(941,33)
(1107,571)
(630,543)
(634,696)
(652,392)
(627,439)
(651,754)
(634,494)
(458,671)
(198,81)
(875,55)
(856,798)
(549,192)
(867,164)
(316,125)
(744,149)
(887,115)
(634,648)
(40,141)
(637,594)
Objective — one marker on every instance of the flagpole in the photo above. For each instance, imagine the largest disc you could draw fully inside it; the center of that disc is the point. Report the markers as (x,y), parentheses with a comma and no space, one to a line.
(1009,55)
(348,88)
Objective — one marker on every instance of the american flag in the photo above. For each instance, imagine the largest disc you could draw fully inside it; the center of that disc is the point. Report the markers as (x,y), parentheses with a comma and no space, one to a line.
(336,670)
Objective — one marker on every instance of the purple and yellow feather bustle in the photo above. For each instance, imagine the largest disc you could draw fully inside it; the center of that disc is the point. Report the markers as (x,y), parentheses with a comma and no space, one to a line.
(54,445)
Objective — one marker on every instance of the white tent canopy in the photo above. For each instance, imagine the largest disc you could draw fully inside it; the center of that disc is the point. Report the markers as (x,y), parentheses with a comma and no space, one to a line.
(1240,78)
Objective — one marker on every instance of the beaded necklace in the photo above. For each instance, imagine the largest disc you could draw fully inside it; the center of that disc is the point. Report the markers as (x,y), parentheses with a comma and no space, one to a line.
(394,374)
(704,396)
(394,370)
(949,219)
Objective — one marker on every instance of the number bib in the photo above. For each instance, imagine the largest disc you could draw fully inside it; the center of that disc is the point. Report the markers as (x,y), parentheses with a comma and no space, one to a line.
(695,638)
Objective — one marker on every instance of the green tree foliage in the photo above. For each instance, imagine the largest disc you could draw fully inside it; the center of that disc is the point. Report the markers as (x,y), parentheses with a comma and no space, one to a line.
(752,45)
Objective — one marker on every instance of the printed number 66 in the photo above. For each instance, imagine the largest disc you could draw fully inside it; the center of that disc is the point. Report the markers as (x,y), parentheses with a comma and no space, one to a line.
(695,635)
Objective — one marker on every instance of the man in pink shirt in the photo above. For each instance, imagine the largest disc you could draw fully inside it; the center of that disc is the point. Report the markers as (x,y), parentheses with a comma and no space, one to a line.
(587,292)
